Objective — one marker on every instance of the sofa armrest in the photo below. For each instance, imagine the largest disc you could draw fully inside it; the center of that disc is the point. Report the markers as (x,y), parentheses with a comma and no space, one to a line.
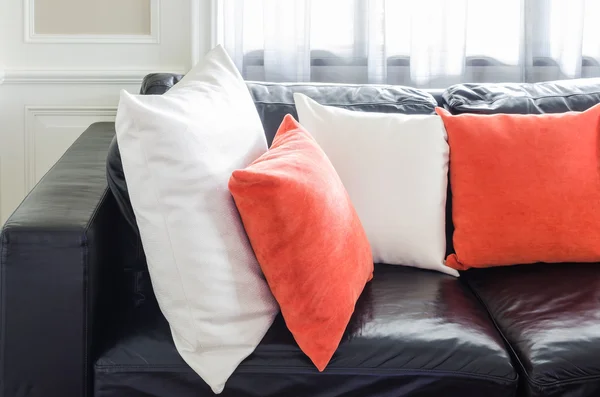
(56,249)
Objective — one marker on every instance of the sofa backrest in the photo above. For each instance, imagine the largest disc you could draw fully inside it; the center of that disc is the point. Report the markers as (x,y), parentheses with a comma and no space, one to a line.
(275,100)
(485,98)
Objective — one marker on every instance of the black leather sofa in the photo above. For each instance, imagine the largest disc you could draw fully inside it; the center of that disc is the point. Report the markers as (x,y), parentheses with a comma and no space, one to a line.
(78,316)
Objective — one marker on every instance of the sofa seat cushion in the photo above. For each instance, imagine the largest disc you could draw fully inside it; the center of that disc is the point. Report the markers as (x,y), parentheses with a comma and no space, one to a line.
(550,316)
(413,333)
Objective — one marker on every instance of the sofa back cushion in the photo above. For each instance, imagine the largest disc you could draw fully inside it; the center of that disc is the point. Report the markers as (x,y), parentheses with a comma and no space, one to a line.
(274,100)
(159,83)
(523,98)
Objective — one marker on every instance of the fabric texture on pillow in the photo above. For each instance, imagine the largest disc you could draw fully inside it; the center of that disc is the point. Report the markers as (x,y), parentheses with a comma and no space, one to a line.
(395,169)
(307,238)
(178,151)
(525,188)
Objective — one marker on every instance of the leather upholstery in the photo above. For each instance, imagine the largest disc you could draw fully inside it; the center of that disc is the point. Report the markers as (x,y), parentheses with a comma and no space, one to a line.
(547,97)
(159,83)
(550,316)
(60,263)
(438,95)
(414,333)
(275,100)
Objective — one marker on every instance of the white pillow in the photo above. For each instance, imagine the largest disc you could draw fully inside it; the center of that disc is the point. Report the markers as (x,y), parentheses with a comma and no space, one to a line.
(395,169)
(178,151)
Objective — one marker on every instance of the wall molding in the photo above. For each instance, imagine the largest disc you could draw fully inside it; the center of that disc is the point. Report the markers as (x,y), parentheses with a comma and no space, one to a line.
(31,112)
(77,76)
(30,36)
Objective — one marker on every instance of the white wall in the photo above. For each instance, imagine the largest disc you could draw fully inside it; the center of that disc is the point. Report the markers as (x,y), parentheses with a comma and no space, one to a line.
(53,86)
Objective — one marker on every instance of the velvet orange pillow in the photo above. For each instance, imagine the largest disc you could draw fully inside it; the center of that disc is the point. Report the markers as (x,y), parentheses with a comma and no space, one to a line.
(306,236)
(525,188)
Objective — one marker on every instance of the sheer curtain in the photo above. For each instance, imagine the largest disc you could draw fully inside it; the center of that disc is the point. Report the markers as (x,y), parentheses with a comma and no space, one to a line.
(424,43)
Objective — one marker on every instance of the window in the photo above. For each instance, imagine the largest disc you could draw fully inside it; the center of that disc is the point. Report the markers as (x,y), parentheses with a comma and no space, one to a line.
(427,43)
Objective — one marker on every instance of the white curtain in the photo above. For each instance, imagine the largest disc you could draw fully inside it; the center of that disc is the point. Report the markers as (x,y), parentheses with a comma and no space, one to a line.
(424,43)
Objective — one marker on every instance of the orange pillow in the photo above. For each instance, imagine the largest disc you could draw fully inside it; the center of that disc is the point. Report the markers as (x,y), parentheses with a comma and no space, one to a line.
(306,236)
(525,188)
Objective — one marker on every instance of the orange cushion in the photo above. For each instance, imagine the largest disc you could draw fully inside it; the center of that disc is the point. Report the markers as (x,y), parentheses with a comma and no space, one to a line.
(306,236)
(525,188)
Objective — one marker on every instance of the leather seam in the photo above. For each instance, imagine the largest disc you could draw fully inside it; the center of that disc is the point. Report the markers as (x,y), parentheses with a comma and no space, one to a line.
(520,97)
(305,370)
(502,335)
(565,382)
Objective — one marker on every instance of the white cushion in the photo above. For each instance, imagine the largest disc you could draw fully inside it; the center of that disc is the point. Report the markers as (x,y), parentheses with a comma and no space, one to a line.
(395,169)
(178,151)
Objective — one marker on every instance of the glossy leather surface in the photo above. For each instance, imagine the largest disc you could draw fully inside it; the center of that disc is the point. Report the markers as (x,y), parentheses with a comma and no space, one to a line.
(523,98)
(60,274)
(159,83)
(550,316)
(438,95)
(275,100)
(414,333)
